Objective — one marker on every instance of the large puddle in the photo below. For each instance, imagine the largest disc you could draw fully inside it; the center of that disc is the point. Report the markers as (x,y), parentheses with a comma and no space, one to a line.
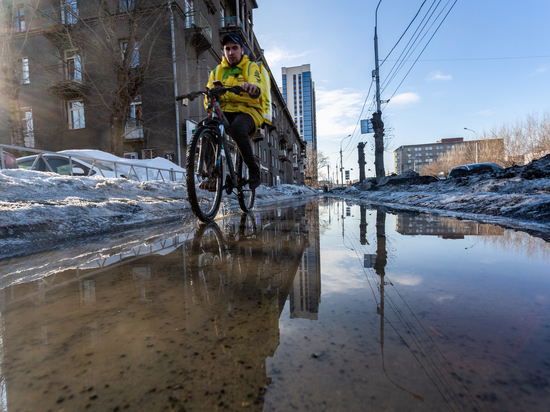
(323,306)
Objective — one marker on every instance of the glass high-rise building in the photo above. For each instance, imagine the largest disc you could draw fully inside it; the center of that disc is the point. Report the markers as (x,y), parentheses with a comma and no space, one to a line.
(299,96)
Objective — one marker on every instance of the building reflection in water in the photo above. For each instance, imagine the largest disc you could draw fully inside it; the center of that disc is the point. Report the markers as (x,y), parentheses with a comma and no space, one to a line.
(305,295)
(427,225)
(183,323)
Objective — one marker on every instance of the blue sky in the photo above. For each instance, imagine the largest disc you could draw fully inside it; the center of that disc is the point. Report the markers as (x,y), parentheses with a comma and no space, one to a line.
(479,71)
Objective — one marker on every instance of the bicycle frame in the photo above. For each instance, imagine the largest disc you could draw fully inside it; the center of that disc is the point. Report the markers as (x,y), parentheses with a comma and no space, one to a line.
(208,163)
(216,115)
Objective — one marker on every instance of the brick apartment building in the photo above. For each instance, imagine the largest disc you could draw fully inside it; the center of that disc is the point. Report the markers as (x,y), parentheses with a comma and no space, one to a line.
(103,75)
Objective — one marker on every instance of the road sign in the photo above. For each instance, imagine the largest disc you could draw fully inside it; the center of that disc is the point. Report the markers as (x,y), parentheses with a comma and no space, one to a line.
(369,261)
(366,126)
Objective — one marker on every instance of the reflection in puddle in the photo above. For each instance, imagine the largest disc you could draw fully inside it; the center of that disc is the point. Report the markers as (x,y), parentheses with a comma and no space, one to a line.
(417,313)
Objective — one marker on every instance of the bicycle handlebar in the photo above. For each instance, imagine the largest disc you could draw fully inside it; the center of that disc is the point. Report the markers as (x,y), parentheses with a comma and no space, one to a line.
(215,92)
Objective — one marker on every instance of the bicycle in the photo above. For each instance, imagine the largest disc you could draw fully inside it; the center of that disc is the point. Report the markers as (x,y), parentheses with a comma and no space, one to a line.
(204,164)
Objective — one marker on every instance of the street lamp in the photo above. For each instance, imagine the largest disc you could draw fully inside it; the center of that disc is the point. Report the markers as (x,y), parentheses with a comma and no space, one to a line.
(341,166)
(476,141)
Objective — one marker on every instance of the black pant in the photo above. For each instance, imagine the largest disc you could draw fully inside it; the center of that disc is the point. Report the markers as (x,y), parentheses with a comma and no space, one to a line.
(242,125)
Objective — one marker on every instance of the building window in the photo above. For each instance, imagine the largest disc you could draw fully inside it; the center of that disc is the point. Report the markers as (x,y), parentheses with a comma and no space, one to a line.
(127,5)
(132,54)
(69,11)
(19,18)
(25,75)
(75,114)
(27,125)
(73,66)
(134,124)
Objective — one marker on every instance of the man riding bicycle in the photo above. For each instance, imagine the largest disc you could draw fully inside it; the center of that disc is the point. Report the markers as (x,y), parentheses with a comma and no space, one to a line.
(244,112)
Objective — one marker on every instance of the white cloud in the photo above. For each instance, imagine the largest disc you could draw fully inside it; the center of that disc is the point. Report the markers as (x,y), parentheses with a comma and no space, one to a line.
(439,76)
(542,69)
(337,111)
(407,280)
(404,99)
(444,298)
(488,112)
(278,54)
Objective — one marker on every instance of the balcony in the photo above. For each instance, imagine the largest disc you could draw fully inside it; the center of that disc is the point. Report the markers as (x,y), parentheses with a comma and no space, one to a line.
(283,156)
(260,135)
(58,23)
(198,30)
(66,81)
(134,129)
(233,25)
(295,166)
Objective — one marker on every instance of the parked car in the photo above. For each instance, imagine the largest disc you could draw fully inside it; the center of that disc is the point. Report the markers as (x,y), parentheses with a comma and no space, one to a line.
(473,168)
(10,162)
(62,165)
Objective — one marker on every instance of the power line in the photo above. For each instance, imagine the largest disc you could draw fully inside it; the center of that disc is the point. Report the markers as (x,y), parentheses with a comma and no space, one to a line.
(479,59)
(436,30)
(395,45)
(416,42)
(360,114)
(414,38)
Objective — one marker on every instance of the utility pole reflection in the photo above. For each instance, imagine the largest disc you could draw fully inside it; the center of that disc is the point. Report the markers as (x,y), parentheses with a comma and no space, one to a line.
(380,269)
(363,226)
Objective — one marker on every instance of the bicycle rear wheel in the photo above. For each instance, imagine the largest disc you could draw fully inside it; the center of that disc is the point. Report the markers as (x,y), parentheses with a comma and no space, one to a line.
(204,178)
(245,195)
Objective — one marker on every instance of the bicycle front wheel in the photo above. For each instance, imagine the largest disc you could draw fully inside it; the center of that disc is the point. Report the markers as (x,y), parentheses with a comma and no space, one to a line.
(245,195)
(204,175)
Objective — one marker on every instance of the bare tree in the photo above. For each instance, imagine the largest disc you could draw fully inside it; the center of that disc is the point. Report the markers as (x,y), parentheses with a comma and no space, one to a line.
(120,51)
(121,60)
(485,150)
(311,169)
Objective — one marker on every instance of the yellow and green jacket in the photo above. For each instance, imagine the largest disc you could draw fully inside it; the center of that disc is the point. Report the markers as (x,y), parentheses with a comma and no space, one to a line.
(245,71)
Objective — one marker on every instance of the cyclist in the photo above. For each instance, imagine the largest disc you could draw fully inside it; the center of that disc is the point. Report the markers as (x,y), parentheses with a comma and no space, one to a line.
(244,112)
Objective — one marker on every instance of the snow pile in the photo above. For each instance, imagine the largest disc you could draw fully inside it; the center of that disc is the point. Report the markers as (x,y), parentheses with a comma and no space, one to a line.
(521,193)
(282,191)
(47,208)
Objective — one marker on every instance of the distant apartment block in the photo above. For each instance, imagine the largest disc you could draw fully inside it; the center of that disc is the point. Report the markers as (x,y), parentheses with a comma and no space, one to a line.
(413,157)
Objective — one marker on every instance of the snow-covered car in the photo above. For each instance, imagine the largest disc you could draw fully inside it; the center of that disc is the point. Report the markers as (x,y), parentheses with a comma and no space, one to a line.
(62,165)
(9,161)
(474,168)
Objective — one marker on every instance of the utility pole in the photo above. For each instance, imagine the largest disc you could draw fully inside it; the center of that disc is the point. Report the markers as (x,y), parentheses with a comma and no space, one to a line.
(377,123)
(341,167)
(361,149)
(328,175)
